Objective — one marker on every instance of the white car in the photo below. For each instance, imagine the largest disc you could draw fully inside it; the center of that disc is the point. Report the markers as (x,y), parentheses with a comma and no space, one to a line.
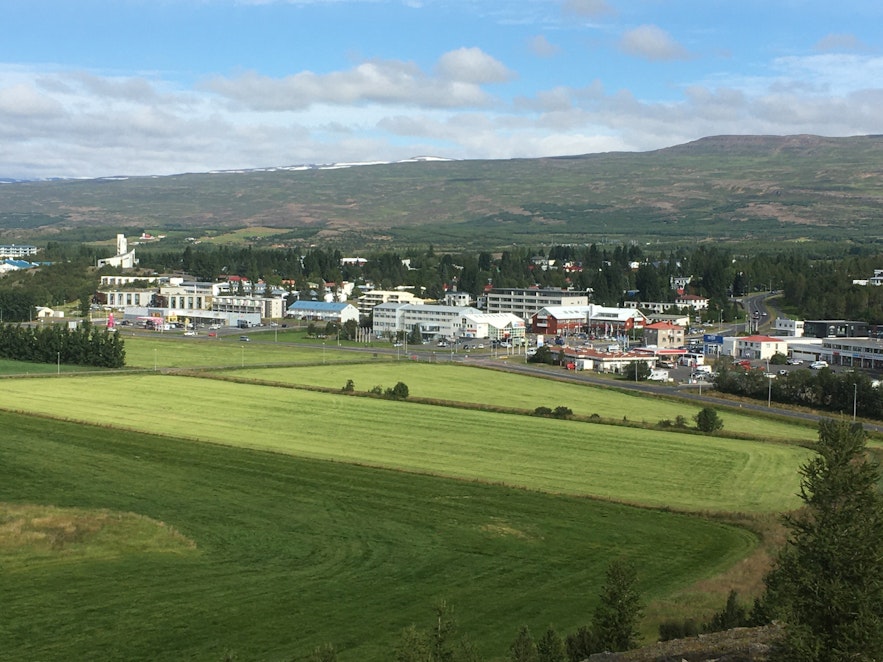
(818,365)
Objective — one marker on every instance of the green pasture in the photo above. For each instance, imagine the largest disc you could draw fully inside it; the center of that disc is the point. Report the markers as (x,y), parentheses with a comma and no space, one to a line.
(277,555)
(650,467)
(177,351)
(8,367)
(460,383)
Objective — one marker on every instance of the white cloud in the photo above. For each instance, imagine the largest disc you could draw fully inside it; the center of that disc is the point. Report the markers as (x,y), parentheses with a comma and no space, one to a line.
(651,42)
(541,47)
(472,65)
(461,74)
(840,42)
(591,8)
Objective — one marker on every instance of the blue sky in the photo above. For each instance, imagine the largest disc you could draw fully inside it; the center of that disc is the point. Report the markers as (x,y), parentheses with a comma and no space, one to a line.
(138,87)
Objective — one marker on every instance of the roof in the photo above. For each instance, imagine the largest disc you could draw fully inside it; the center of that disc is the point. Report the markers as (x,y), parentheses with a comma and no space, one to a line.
(661,326)
(760,339)
(322,306)
(692,297)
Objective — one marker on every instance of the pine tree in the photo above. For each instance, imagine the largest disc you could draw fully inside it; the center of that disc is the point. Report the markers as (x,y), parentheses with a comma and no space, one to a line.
(523,649)
(550,647)
(615,620)
(827,584)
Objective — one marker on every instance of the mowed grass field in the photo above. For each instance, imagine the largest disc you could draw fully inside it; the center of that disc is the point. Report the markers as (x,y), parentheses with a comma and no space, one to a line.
(648,467)
(176,351)
(265,556)
(461,383)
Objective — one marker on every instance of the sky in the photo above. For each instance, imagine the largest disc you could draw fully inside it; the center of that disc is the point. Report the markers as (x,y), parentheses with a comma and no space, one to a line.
(92,88)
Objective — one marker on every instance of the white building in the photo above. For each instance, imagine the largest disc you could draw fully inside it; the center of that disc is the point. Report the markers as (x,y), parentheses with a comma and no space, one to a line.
(504,327)
(272,308)
(788,327)
(124,258)
(16,251)
(525,302)
(756,347)
(369,300)
(323,311)
(441,321)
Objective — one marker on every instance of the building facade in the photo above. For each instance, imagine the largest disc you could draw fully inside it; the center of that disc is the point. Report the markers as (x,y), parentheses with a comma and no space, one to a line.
(524,303)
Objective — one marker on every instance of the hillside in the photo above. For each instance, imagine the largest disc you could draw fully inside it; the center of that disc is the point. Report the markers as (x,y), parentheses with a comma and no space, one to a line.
(760,187)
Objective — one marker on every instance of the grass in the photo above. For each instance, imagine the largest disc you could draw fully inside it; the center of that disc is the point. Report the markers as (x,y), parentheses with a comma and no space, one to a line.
(291,553)
(175,351)
(475,385)
(664,469)
(8,367)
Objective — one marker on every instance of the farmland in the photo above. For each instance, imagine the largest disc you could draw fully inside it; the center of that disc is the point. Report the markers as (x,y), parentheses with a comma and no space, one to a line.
(153,514)
(287,553)
(700,473)
(475,385)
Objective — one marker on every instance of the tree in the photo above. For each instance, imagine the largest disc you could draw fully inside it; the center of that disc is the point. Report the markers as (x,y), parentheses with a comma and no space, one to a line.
(639,367)
(615,620)
(523,649)
(827,582)
(550,647)
(415,336)
(732,616)
(708,421)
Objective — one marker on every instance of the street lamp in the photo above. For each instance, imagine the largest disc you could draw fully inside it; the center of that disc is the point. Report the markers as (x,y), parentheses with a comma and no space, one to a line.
(854,399)
(154,359)
(58,360)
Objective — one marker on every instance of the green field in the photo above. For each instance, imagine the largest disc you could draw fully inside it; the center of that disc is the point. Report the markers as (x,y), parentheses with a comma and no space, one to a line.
(284,554)
(688,472)
(476,385)
(8,367)
(176,351)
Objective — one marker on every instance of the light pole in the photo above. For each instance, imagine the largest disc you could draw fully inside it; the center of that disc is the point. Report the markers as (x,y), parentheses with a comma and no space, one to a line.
(323,352)
(854,399)
(58,361)
(154,359)
(242,362)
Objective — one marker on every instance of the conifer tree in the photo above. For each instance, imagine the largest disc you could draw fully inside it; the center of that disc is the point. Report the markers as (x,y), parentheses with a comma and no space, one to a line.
(827,584)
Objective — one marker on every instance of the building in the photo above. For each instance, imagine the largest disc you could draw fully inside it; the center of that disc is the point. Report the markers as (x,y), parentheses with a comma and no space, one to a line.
(692,301)
(835,329)
(788,327)
(663,335)
(323,311)
(264,307)
(369,300)
(16,251)
(124,258)
(757,347)
(599,321)
(584,358)
(501,327)
(457,298)
(852,352)
(524,303)
(434,321)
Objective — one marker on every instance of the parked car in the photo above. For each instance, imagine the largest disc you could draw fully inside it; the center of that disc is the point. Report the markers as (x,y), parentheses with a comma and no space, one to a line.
(818,365)
(783,372)
(244,339)
(794,362)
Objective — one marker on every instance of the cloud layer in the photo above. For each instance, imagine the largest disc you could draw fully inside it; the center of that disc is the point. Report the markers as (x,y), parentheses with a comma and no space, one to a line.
(469,101)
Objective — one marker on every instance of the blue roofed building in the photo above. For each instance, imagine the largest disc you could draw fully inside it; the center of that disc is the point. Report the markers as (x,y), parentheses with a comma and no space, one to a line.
(323,311)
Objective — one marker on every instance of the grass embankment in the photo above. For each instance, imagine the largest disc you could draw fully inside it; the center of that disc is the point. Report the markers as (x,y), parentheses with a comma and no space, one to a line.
(648,467)
(476,385)
(287,553)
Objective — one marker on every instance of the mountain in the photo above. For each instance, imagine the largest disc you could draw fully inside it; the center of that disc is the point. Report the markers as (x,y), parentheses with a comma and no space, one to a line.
(767,188)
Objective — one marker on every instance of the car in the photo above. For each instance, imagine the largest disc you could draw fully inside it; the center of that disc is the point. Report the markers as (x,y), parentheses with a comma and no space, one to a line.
(190,333)
(244,339)
(480,345)
(215,327)
(783,372)
(818,365)
(397,344)
(795,362)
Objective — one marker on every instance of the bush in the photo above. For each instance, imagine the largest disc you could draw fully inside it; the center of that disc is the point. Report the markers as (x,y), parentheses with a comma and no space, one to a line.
(562,412)
(733,615)
(708,421)
(542,411)
(349,387)
(678,629)
(398,392)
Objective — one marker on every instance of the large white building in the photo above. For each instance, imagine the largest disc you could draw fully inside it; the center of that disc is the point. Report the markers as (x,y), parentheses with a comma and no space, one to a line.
(525,302)
(504,327)
(440,321)
(372,298)
(124,258)
(16,251)
(323,311)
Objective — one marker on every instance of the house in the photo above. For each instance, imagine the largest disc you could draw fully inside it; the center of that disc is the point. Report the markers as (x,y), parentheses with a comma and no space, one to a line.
(323,311)
(758,347)
(664,335)
(503,327)
(692,301)
(43,312)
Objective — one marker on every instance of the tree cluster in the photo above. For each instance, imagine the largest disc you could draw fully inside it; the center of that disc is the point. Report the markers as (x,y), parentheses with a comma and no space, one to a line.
(85,345)
(819,389)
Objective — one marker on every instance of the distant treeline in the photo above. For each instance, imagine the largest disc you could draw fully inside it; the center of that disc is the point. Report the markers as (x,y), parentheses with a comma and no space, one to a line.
(85,345)
(813,286)
(819,389)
